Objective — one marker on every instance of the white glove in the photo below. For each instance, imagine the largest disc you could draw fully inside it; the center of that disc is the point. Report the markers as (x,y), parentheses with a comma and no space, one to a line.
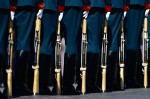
(107,15)
(60,16)
(85,14)
(124,15)
(40,13)
(147,12)
(12,15)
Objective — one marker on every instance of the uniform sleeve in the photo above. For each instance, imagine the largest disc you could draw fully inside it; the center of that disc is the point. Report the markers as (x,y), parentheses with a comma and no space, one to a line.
(40,4)
(126,5)
(13,5)
(61,5)
(147,4)
(86,5)
(108,6)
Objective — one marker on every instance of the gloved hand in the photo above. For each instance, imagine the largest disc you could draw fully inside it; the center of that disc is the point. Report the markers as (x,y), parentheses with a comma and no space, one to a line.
(107,15)
(124,15)
(147,12)
(85,14)
(12,15)
(40,13)
(60,16)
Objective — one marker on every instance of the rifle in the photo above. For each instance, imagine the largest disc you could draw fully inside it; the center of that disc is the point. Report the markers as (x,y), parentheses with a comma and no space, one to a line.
(145,53)
(121,56)
(58,60)
(104,57)
(84,56)
(36,56)
(10,55)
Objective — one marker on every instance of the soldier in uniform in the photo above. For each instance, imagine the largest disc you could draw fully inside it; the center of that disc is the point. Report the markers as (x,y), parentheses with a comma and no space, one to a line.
(147,14)
(134,22)
(94,32)
(25,17)
(72,20)
(5,9)
(115,9)
(48,37)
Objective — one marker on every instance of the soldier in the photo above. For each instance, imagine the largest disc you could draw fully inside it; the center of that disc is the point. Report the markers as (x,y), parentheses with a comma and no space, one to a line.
(147,14)
(48,37)
(114,16)
(94,23)
(25,26)
(72,21)
(5,9)
(135,18)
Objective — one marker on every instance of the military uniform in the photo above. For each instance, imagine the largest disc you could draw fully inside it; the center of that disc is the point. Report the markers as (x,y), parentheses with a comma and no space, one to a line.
(48,37)
(134,22)
(25,29)
(72,22)
(94,33)
(147,6)
(5,7)
(114,25)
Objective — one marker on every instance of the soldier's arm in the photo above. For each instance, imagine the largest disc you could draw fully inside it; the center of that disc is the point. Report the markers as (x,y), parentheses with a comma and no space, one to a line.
(86,5)
(126,5)
(40,4)
(61,5)
(147,7)
(108,6)
(13,5)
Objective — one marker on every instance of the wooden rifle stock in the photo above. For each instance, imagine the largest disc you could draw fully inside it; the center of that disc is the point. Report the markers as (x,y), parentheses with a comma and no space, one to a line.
(104,57)
(10,54)
(121,56)
(58,61)
(145,53)
(37,51)
(84,56)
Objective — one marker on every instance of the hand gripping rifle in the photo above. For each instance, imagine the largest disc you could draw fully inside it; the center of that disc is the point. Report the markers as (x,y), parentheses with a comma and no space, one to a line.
(104,57)
(145,53)
(58,60)
(10,54)
(36,57)
(121,56)
(84,56)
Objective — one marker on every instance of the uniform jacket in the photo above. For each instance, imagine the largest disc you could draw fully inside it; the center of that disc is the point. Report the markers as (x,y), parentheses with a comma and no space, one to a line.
(137,2)
(52,4)
(28,2)
(115,3)
(98,3)
(5,4)
(78,3)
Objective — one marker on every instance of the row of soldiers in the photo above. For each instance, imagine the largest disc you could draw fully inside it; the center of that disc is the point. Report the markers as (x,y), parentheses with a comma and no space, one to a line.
(71,12)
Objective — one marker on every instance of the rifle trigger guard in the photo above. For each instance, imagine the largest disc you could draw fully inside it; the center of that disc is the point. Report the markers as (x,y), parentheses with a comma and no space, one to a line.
(103,67)
(8,71)
(35,67)
(57,70)
(83,68)
(144,64)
